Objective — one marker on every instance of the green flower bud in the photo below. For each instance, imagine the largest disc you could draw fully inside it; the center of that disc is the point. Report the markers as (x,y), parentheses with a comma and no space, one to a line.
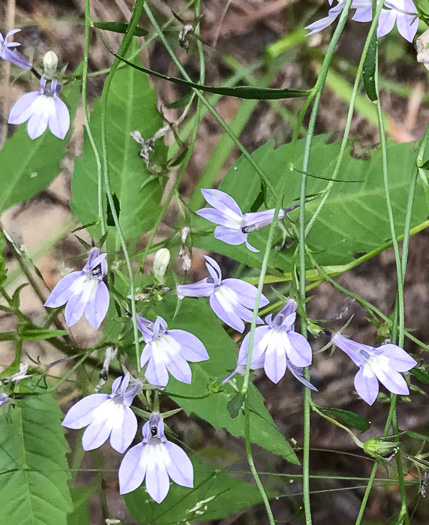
(160,264)
(50,64)
(381,447)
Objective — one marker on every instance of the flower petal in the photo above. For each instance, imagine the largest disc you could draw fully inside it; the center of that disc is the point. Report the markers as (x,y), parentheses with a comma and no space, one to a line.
(80,415)
(97,306)
(299,351)
(275,363)
(77,303)
(179,467)
(398,358)
(97,433)
(391,379)
(229,317)
(217,217)
(366,384)
(229,236)
(191,348)
(59,119)
(222,202)
(199,289)
(123,434)
(133,467)
(156,372)
(38,122)
(63,290)
(213,269)
(246,292)
(22,110)
(157,480)
(179,368)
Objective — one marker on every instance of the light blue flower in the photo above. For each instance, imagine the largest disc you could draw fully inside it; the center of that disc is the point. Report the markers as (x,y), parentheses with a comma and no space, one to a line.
(157,460)
(40,109)
(382,364)
(9,52)
(83,291)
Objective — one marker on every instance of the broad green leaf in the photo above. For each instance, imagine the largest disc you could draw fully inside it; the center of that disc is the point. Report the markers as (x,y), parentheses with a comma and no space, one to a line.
(131,106)
(196,316)
(349,418)
(28,166)
(353,221)
(33,467)
(215,496)
(80,497)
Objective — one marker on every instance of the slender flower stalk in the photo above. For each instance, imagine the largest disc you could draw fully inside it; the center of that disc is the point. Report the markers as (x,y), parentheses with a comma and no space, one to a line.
(382,364)
(168,351)
(42,109)
(84,292)
(9,52)
(234,226)
(232,300)
(155,459)
(106,415)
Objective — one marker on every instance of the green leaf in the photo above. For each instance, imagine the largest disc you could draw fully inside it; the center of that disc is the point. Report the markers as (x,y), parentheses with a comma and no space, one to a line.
(416,435)
(2,261)
(236,404)
(354,219)
(33,163)
(119,27)
(421,375)
(196,316)
(131,105)
(80,497)
(369,68)
(349,418)
(245,92)
(215,496)
(33,466)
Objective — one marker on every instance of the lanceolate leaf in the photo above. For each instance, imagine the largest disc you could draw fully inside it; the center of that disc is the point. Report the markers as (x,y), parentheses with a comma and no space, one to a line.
(28,166)
(349,418)
(33,467)
(131,106)
(119,27)
(354,219)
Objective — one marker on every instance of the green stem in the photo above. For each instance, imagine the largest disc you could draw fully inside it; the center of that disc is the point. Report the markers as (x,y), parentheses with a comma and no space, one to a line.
(301,248)
(137,11)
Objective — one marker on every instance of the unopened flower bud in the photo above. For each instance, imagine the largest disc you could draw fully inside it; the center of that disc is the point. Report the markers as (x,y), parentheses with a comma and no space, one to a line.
(50,64)
(384,447)
(160,264)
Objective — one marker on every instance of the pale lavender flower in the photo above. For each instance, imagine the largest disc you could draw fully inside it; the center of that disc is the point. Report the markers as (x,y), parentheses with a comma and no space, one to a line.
(168,351)
(84,291)
(382,364)
(9,52)
(106,415)
(42,108)
(276,347)
(157,460)
(234,226)
(401,12)
(4,399)
(232,300)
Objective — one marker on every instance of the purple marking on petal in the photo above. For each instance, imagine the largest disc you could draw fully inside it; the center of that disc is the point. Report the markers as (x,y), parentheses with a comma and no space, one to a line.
(132,470)
(222,202)
(288,309)
(366,385)
(275,363)
(391,379)
(157,480)
(116,385)
(76,305)
(59,120)
(180,369)
(228,317)
(122,435)
(180,467)
(63,290)
(97,306)
(80,414)
(22,110)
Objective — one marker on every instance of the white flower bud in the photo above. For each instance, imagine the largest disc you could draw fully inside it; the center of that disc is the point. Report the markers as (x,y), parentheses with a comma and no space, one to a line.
(160,264)
(50,64)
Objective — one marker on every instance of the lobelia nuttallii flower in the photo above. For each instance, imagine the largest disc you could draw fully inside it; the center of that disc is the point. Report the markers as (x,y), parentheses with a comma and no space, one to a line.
(106,415)
(157,460)
(9,52)
(382,364)
(401,12)
(277,347)
(168,351)
(232,300)
(40,109)
(234,226)
(83,291)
